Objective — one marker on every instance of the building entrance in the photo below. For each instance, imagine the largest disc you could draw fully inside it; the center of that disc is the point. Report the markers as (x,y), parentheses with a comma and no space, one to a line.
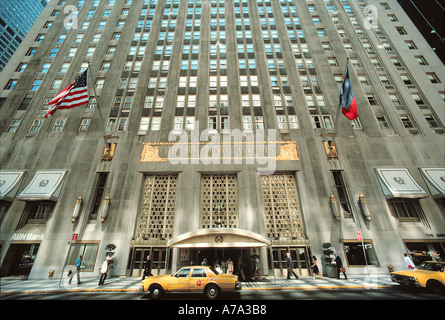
(138,257)
(242,258)
(19,259)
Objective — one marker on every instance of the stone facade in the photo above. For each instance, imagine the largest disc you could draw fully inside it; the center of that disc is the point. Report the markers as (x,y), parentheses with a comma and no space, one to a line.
(251,66)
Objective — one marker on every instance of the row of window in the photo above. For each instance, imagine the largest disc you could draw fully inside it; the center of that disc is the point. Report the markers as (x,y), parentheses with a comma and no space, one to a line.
(130,84)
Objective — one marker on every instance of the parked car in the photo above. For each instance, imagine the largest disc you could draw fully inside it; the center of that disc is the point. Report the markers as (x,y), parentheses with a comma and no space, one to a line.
(193,279)
(429,275)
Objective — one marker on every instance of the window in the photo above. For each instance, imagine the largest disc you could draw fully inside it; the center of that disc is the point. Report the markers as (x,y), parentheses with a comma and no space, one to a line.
(36,126)
(406,121)
(342,194)
(321,33)
(199,273)
(21,67)
(421,60)
(381,119)
(372,99)
(333,62)
(144,124)
(31,52)
(433,77)
(122,124)
(36,212)
(326,46)
(358,254)
(316,124)
(406,79)
(14,125)
(394,99)
(411,45)
(89,252)
(392,18)
(84,124)
(401,30)
(156,123)
(406,209)
(56,84)
(101,181)
(431,121)
(11,84)
(58,126)
(418,98)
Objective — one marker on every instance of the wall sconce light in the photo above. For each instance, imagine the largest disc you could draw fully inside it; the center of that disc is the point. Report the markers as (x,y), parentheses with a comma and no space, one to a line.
(76,210)
(104,209)
(364,206)
(334,207)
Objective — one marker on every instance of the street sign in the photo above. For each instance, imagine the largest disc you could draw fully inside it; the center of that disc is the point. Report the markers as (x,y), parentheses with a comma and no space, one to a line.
(74,238)
(359,235)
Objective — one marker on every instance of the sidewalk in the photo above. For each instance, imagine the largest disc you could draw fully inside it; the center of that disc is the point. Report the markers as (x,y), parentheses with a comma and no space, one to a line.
(124,284)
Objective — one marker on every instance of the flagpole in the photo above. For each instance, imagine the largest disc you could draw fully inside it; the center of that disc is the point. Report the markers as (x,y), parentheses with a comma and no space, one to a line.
(339,105)
(97,104)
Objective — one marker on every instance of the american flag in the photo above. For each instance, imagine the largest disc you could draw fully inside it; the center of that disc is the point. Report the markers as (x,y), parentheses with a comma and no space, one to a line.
(76,94)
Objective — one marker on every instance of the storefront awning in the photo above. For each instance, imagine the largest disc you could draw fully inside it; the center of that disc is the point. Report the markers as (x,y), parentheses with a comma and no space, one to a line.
(45,185)
(398,183)
(10,182)
(435,180)
(219,237)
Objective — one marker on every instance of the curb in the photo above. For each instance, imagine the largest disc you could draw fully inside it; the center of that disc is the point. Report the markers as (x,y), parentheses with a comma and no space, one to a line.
(244,289)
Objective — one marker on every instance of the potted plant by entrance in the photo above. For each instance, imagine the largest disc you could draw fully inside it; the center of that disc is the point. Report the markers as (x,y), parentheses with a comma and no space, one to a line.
(329,268)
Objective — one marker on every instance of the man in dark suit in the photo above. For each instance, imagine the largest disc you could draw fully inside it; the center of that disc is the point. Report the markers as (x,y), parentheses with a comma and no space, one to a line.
(290,269)
(147,269)
(339,265)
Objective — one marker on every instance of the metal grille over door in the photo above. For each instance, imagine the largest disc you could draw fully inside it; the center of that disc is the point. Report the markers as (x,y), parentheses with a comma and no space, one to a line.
(157,208)
(219,201)
(281,207)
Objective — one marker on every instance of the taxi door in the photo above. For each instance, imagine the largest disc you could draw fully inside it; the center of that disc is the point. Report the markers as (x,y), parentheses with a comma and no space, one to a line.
(179,282)
(198,280)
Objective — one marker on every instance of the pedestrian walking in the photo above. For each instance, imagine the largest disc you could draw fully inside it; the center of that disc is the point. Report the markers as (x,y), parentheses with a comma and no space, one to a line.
(217,266)
(204,262)
(315,269)
(256,270)
(229,266)
(224,265)
(409,264)
(290,269)
(147,268)
(241,269)
(340,267)
(104,271)
(76,269)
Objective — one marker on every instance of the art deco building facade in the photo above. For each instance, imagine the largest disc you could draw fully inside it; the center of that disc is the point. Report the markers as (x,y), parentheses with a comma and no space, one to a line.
(220,139)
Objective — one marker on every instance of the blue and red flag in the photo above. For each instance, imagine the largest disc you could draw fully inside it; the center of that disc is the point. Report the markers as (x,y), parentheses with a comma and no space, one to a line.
(347,100)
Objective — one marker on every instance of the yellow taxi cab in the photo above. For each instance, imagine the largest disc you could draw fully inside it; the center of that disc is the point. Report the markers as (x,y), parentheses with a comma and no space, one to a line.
(429,275)
(193,279)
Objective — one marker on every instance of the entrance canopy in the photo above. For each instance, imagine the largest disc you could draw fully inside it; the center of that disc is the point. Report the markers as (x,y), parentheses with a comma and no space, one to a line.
(435,180)
(398,183)
(45,185)
(219,237)
(10,182)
